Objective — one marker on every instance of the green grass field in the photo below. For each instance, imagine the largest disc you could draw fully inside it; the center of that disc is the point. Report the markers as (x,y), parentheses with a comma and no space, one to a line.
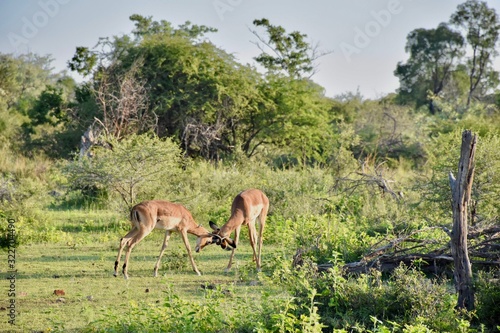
(82,266)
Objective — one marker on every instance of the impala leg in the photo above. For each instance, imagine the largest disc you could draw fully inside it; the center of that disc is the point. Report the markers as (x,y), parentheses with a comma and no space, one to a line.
(131,243)
(164,246)
(262,222)
(188,248)
(252,233)
(236,239)
(124,242)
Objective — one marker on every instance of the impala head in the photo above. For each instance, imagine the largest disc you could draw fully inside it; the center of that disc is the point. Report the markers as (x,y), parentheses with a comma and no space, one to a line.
(224,241)
(203,240)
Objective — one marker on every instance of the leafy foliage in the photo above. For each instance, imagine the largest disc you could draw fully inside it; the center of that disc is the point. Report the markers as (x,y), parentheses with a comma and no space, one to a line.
(290,53)
(482,28)
(343,174)
(136,166)
(437,65)
(433,57)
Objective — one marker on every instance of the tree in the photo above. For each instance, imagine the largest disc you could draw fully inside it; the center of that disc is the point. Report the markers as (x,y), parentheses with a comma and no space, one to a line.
(123,104)
(83,61)
(461,188)
(48,109)
(289,53)
(482,26)
(296,118)
(206,100)
(23,78)
(145,26)
(197,91)
(433,57)
(34,103)
(136,166)
(8,84)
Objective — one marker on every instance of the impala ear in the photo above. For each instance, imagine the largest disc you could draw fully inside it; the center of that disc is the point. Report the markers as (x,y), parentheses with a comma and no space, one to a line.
(214,226)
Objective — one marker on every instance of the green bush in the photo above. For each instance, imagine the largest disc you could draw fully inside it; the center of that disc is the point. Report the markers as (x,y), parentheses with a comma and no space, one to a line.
(407,297)
(488,298)
(30,226)
(434,186)
(137,167)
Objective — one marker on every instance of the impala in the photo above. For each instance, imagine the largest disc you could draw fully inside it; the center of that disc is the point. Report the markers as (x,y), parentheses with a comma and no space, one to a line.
(164,215)
(246,207)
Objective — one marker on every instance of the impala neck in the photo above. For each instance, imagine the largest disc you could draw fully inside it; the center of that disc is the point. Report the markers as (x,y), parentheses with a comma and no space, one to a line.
(198,230)
(229,227)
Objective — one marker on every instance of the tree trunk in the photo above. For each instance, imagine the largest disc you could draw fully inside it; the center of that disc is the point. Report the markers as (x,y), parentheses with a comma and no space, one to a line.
(461,189)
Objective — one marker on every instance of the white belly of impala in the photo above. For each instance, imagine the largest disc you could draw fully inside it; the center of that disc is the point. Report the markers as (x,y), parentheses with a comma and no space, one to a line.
(168,223)
(255,211)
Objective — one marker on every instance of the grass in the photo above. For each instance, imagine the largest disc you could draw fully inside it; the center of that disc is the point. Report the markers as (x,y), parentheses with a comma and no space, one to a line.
(83,269)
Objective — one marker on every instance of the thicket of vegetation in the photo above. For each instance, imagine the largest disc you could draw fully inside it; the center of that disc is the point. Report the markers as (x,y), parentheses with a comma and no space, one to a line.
(164,113)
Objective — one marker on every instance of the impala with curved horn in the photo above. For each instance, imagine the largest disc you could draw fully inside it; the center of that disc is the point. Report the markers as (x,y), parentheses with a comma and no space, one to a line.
(246,208)
(165,215)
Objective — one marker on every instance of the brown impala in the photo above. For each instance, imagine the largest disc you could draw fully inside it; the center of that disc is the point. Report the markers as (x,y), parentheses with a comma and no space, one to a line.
(164,215)
(246,207)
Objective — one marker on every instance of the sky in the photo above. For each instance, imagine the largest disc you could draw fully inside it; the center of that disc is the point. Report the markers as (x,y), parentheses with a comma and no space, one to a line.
(363,39)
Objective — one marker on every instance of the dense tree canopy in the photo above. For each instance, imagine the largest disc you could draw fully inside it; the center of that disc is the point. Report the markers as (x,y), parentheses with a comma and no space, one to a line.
(433,57)
(174,82)
(441,66)
(481,25)
(201,95)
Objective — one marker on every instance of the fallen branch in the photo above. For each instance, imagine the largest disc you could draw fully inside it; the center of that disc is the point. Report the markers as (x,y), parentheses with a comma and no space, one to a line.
(385,258)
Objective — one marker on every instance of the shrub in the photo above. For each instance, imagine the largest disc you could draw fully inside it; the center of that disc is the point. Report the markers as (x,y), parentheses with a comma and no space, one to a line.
(407,298)
(139,166)
(488,299)
(434,186)
(30,226)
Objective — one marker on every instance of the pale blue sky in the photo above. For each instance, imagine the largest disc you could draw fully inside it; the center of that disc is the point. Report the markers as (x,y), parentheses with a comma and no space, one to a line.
(367,37)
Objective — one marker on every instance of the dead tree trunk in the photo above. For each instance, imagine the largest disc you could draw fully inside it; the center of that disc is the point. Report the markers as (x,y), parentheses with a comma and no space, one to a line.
(461,190)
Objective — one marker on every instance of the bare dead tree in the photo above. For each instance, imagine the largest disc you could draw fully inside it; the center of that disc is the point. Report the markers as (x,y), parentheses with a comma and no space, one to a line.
(374,178)
(124,103)
(203,138)
(88,139)
(394,139)
(461,188)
